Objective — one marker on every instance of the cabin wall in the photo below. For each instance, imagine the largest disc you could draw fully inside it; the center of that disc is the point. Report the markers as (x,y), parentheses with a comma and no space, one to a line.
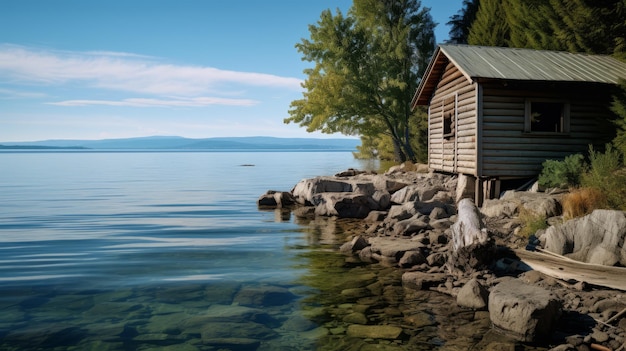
(508,151)
(455,153)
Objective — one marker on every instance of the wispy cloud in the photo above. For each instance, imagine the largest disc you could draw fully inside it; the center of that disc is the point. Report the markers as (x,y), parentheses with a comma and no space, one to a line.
(126,72)
(19,94)
(144,102)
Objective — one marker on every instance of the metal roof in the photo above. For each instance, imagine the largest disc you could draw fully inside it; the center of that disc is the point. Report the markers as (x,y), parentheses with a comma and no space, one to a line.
(518,64)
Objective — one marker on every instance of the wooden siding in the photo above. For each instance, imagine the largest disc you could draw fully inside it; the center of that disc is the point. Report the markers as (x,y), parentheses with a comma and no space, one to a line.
(458,153)
(506,151)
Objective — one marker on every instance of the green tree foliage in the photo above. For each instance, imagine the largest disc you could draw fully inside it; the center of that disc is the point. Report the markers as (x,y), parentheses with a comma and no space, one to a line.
(562,174)
(490,27)
(591,26)
(461,22)
(367,65)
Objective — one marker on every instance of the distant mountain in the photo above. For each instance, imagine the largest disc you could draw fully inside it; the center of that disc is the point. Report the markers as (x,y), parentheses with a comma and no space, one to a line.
(176,143)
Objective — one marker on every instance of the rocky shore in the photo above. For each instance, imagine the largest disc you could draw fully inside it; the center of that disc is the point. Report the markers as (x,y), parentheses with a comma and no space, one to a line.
(462,277)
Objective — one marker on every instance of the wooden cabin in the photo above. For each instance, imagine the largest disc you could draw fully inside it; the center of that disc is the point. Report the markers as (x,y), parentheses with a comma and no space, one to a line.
(496,114)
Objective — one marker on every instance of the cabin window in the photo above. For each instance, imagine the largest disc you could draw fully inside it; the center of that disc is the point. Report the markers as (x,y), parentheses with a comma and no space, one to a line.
(544,116)
(449,117)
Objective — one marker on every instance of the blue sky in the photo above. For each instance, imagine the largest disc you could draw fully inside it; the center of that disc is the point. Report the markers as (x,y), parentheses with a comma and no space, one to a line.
(76,69)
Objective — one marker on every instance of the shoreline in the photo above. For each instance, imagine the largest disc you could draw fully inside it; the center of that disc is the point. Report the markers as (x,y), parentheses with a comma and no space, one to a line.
(411,233)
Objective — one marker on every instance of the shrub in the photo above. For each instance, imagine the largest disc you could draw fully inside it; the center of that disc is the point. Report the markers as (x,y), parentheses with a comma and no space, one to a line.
(531,222)
(605,175)
(562,174)
(580,202)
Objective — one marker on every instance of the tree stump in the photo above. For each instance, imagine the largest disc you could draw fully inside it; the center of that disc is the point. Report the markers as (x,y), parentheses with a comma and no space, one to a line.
(472,247)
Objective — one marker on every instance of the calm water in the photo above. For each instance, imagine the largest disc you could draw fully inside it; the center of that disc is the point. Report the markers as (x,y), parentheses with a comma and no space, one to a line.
(153,250)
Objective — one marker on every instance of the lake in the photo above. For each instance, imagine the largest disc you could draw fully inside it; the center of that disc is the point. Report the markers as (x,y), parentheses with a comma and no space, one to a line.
(155,250)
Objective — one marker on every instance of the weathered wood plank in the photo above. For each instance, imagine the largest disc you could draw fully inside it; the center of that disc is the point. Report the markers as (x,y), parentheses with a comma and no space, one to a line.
(567,269)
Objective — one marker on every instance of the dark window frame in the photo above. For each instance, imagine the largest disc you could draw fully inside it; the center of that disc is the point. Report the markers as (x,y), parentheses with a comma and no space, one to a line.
(556,119)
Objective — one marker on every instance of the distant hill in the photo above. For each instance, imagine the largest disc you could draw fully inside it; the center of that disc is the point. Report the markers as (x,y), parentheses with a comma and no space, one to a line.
(178,143)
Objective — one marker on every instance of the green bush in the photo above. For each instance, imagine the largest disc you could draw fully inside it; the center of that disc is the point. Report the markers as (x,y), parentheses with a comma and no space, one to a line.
(562,174)
(605,174)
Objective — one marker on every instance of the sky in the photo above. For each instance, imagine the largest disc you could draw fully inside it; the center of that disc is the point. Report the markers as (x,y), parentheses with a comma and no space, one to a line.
(76,69)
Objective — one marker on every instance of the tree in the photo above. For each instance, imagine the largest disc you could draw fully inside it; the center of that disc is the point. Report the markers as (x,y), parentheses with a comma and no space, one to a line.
(367,65)
(490,26)
(461,22)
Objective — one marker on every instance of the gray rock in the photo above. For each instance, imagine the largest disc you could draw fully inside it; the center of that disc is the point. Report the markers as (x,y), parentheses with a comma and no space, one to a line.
(344,205)
(411,258)
(264,295)
(525,312)
(375,216)
(421,280)
(374,331)
(357,243)
(306,189)
(596,238)
(394,248)
(276,199)
(410,226)
(473,295)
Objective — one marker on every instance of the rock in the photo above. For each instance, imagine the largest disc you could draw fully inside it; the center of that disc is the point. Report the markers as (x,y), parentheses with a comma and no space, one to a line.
(420,319)
(344,205)
(355,318)
(411,258)
(393,248)
(421,280)
(382,198)
(415,192)
(264,295)
(276,199)
(525,312)
(499,208)
(472,248)
(374,331)
(306,189)
(375,216)
(410,226)
(387,184)
(473,295)
(357,243)
(596,238)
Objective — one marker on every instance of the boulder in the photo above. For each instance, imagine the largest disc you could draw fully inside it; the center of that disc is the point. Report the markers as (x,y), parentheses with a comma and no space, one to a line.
(344,205)
(356,244)
(393,248)
(306,189)
(472,247)
(511,202)
(595,238)
(263,295)
(424,191)
(411,258)
(422,280)
(374,331)
(473,295)
(525,312)
(276,199)
(410,226)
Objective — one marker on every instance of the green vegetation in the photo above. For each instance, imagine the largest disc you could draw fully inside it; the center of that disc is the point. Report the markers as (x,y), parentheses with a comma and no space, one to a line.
(367,65)
(531,222)
(590,26)
(562,174)
(602,180)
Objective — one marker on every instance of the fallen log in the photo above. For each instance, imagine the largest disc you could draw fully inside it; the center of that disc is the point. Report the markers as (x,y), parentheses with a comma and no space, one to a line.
(564,268)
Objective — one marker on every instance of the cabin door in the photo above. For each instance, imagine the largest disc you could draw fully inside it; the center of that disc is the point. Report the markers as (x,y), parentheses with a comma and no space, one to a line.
(450,120)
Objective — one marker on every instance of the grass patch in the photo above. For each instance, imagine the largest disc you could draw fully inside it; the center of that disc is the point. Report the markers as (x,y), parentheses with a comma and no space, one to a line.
(582,201)
(531,222)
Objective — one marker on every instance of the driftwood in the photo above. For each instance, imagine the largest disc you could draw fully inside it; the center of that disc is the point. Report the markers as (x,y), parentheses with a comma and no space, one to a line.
(561,267)
(472,248)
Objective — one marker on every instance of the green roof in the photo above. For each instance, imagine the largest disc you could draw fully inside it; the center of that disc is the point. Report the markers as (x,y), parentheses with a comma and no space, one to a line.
(477,62)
